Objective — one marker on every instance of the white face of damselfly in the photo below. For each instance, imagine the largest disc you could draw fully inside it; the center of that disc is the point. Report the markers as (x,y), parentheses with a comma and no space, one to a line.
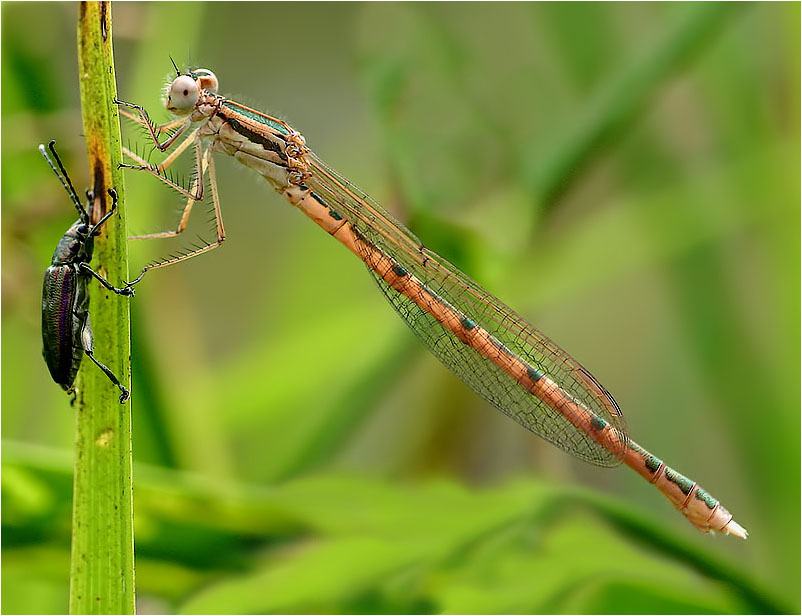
(184,92)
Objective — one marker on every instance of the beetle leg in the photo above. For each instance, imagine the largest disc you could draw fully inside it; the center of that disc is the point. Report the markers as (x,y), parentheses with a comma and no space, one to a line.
(84,267)
(87,341)
(95,231)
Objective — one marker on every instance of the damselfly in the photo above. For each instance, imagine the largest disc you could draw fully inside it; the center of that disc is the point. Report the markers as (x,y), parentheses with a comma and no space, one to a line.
(486,344)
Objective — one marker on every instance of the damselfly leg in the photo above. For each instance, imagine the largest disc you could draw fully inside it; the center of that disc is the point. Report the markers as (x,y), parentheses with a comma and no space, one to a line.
(203,165)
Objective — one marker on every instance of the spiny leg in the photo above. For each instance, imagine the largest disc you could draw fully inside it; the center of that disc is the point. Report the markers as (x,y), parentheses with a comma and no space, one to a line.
(159,129)
(207,164)
(191,199)
(218,214)
(153,129)
(156,170)
(169,160)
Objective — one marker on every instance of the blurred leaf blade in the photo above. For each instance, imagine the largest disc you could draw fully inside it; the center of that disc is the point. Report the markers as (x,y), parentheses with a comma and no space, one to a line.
(625,94)
(434,530)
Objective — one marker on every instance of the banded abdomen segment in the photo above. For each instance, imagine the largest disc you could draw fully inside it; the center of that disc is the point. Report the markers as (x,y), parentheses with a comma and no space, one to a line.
(538,390)
(499,359)
(703,511)
(59,294)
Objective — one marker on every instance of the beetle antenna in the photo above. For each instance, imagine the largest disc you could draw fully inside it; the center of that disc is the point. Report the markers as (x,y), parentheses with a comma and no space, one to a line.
(63,177)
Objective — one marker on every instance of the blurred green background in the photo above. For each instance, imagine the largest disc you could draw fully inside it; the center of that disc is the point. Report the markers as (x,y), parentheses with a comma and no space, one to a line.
(624,175)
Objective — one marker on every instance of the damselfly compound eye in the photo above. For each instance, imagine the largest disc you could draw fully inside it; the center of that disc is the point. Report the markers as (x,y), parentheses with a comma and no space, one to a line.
(207,79)
(182,95)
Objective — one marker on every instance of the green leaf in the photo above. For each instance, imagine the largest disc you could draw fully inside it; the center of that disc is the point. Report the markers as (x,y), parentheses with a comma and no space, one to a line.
(313,577)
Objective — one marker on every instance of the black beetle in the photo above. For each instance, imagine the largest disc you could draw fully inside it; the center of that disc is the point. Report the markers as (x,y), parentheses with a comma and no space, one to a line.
(66,327)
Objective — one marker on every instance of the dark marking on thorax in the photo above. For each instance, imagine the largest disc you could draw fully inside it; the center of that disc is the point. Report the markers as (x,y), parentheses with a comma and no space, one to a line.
(252,135)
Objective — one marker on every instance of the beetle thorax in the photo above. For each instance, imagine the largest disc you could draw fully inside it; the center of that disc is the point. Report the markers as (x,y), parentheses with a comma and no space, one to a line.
(75,246)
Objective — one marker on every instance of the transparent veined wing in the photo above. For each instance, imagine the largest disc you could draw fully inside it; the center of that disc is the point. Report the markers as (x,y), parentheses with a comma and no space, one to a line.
(511,335)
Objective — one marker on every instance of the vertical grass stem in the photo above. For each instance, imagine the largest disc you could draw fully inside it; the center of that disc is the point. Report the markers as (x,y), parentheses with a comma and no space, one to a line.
(102,563)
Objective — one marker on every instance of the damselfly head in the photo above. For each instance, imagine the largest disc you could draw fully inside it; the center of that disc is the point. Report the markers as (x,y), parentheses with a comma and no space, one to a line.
(182,95)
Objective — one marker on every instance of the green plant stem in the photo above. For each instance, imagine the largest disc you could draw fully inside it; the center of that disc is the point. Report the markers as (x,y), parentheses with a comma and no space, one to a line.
(102,567)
